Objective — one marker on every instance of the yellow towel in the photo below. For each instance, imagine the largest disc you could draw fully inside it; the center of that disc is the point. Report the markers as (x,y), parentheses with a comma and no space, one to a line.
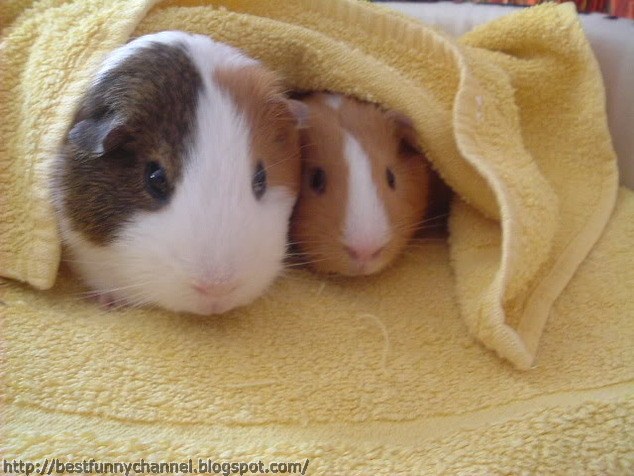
(359,376)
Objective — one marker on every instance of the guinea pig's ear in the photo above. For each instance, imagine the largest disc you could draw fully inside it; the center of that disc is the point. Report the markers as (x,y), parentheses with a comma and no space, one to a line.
(99,136)
(286,116)
(409,144)
(300,112)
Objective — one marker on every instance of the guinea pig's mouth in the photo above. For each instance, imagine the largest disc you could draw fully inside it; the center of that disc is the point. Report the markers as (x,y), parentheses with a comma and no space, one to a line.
(213,296)
(207,306)
(217,308)
(365,268)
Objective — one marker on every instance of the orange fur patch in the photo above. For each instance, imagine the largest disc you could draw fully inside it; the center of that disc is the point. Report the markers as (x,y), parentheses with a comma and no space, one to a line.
(258,93)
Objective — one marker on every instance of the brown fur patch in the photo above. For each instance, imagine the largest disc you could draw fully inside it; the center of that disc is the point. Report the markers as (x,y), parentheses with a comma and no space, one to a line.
(258,94)
(152,97)
(319,220)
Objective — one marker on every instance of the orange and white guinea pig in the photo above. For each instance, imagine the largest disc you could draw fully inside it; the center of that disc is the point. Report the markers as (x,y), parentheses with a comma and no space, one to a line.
(364,188)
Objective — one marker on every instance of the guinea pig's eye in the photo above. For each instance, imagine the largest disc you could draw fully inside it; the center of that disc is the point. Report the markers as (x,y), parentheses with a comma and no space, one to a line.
(391,180)
(318,180)
(156,181)
(258,184)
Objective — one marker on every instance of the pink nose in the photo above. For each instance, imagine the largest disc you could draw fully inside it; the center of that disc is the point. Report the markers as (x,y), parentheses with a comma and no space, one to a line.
(214,288)
(363,254)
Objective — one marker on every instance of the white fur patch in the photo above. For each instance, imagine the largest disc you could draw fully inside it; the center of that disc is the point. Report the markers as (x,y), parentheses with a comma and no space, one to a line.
(367,224)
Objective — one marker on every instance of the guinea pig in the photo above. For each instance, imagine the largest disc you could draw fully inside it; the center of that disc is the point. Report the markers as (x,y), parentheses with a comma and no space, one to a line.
(364,189)
(176,180)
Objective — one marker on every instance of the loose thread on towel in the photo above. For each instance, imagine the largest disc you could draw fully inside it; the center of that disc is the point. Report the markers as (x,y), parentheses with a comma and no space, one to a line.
(386,339)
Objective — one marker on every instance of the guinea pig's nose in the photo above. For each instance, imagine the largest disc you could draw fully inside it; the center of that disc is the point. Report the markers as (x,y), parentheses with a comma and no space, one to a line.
(213,288)
(363,254)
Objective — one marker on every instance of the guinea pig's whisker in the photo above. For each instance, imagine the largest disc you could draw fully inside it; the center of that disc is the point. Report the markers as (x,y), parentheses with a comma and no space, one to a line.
(419,224)
(277,163)
(116,306)
(93,293)
(306,144)
(131,301)
(139,301)
(431,227)
(417,227)
(304,263)
(131,286)
(294,255)
(291,243)
(431,219)
(88,294)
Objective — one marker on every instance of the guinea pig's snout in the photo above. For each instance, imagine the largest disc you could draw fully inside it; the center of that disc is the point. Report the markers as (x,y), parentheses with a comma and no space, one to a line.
(364,253)
(367,258)
(214,288)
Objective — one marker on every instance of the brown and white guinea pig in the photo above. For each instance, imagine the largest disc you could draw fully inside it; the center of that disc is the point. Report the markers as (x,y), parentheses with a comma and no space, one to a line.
(178,175)
(364,187)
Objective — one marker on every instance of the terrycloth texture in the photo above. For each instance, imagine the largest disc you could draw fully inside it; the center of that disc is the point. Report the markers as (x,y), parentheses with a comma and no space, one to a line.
(361,376)
(354,374)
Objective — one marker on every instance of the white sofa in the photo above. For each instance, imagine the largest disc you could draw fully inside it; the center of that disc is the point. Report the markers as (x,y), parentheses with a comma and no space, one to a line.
(612,41)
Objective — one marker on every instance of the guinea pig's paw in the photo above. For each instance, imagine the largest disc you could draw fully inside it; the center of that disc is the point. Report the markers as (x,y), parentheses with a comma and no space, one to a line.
(107,301)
